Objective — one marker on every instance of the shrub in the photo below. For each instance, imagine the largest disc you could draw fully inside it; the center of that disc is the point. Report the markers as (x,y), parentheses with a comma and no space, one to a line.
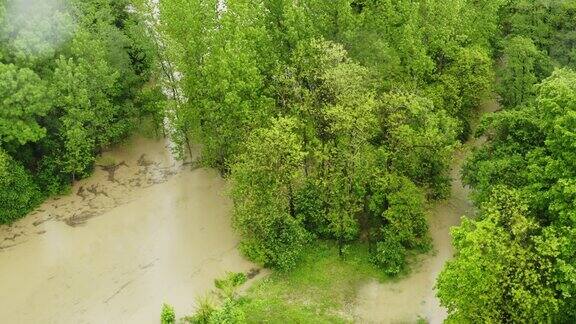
(229,313)
(227,286)
(390,254)
(168,316)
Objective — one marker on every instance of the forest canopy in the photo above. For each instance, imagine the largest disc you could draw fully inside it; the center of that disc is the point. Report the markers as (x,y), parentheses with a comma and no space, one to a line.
(520,254)
(74,79)
(332,119)
(337,120)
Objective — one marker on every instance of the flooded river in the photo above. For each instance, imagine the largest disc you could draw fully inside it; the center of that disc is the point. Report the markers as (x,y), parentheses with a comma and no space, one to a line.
(143,230)
(147,229)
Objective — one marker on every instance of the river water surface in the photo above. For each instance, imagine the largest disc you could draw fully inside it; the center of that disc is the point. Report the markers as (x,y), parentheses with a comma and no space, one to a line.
(143,231)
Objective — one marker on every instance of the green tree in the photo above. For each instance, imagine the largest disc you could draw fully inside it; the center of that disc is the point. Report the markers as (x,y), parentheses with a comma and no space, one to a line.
(520,154)
(18,192)
(505,268)
(524,66)
(531,150)
(398,221)
(391,44)
(223,56)
(264,181)
(84,89)
(462,85)
(351,124)
(421,139)
(550,25)
(23,101)
(79,150)
(235,99)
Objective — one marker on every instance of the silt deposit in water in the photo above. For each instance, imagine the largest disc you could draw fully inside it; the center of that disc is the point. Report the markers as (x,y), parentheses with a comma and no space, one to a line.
(143,230)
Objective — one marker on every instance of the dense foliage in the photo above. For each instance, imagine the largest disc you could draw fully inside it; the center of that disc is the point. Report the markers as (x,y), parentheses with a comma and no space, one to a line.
(517,262)
(73,80)
(18,192)
(333,119)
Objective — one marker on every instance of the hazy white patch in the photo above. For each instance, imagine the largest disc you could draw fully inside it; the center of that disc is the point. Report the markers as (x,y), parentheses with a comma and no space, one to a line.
(37,27)
(221,7)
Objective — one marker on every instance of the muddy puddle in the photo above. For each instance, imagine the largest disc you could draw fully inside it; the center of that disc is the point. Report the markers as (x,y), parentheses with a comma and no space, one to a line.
(143,230)
(413,298)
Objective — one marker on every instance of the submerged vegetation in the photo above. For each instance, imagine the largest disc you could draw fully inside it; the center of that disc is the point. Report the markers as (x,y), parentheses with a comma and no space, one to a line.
(335,123)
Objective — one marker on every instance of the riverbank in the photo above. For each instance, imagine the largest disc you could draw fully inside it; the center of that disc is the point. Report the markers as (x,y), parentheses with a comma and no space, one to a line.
(320,289)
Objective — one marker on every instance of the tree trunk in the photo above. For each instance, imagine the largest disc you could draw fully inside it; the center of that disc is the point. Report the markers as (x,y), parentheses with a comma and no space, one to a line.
(367,214)
(188,145)
(156,127)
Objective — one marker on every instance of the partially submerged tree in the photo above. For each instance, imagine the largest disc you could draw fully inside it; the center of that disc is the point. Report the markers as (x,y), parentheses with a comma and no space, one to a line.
(265,179)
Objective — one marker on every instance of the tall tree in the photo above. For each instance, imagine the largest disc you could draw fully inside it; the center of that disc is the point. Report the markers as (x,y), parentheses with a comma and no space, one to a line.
(524,66)
(420,138)
(18,192)
(23,101)
(265,178)
(397,217)
(524,243)
(351,125)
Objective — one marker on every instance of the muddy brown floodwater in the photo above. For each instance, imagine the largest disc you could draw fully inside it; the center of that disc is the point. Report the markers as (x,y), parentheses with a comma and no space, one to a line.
(412,298)
(143,230)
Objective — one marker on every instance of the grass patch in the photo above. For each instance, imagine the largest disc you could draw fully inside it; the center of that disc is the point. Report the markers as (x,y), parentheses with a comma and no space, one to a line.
(320,289)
